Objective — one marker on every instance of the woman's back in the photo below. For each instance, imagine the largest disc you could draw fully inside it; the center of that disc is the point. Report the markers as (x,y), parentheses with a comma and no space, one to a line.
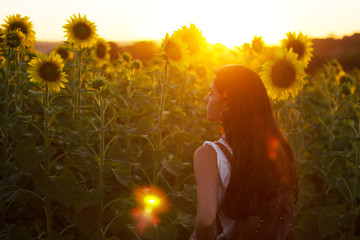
(261,185)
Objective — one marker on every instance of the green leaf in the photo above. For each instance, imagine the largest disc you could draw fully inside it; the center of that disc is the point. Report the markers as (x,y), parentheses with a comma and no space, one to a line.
(167,232)
(348,122)
(57,236)
(36,94)
(123,174)
(20,232)
(28,157)
(307,228)
(185,219)
(332,219)
(60,187)
(85,198)
(173,166)
(10,193)
(113,238)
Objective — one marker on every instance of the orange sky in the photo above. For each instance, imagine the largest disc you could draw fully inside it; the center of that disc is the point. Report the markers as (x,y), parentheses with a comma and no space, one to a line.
(230,22)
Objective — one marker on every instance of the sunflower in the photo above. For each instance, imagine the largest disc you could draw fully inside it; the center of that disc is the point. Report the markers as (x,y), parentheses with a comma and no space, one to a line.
(300,45)
(284,75)
(192,37)
(80,31)
(15,22)
(258,44)
(64,51)
(1,35)
(48,69)
(14,38)
(101,49)
(175,50)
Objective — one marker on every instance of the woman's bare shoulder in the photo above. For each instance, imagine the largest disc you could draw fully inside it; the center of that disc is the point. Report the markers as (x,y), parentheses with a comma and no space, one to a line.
(205,153)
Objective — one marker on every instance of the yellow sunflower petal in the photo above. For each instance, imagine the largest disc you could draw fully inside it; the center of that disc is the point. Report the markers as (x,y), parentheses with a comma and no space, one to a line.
(300,44)
(283,76)
(80,31)
(14,38)
(16,22)
(101,50)
(64,51)
(175,50)
(192,36)
(47,69)
(258,44)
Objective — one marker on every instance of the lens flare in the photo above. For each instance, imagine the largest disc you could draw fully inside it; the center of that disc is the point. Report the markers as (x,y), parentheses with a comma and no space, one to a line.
(152,201)
(273,148)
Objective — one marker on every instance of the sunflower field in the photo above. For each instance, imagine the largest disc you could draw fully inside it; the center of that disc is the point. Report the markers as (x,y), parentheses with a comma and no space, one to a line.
(98,145)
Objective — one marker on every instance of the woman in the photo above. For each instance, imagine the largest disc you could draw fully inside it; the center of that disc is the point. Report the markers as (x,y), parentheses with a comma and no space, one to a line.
(246,181)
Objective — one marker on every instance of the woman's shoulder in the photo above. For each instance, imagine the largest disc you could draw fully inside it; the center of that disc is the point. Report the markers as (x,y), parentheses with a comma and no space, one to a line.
(204,151)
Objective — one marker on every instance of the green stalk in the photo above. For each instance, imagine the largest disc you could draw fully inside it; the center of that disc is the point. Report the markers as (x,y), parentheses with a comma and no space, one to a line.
(182,100)
(102,158)
(48,211)
(7,92)
(162,103)
(46,115)
(17,84)
(77,88)
(161,115)
(128,92)
(356,179)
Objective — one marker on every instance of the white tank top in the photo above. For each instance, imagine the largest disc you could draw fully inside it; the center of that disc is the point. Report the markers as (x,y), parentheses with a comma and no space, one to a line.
(223,165)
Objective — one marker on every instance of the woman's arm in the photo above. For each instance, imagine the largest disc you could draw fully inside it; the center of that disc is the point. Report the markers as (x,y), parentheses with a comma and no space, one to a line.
(207,179)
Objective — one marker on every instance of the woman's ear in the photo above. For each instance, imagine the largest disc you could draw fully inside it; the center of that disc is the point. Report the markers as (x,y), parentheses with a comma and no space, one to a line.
(226,105)
(224,95)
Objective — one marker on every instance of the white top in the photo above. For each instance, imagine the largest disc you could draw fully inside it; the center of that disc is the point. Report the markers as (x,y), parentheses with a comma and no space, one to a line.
(224,171)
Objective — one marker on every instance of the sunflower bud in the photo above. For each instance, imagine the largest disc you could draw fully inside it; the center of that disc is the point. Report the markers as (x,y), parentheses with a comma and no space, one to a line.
(201,71)
(346,79)
(14,38)
(136,64)
(127,57)
(97,83)
(1,35)
(345,89)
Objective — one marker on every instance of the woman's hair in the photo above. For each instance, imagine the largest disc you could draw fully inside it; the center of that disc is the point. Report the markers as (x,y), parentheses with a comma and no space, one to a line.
(263,162)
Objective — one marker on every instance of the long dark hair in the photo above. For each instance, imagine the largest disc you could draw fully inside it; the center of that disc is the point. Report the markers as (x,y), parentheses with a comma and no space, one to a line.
(263,161)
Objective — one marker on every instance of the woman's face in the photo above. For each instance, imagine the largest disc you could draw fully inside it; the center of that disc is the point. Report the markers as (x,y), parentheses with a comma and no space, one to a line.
(214,104)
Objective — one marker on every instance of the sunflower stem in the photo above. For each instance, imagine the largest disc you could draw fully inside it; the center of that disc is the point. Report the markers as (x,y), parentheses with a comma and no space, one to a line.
(48,213)
(102,157)
(7,93)
(128,91)
(17,84)
(48,210)
(182,100)
(78,87)
(46,115)
(356,178)
(161,115)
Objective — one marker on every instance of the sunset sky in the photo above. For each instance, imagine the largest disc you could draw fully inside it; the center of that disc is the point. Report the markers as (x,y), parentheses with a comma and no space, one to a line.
(230,22)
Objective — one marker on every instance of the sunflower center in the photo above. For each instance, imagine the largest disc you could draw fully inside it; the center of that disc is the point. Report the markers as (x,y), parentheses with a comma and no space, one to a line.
(173,51)
(49,72)
(82,31)
(283,74)
(13,39)
(63,53)
(18,25)
(192,42)
(100,51)
(298,47)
